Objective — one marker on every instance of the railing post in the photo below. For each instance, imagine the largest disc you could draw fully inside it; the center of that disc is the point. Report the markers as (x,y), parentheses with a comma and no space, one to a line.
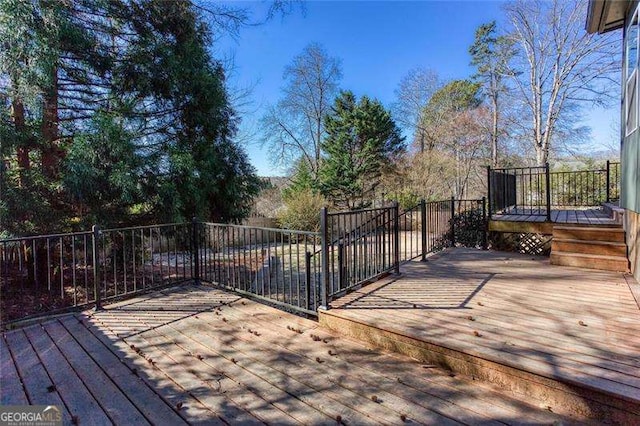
(485,224)
(452,222)
(195,254)
(608,181)
(96,266)
(548,188)
(307,289)
(489,189)
(341,267)
(324,231)
(423,225)
(396,237)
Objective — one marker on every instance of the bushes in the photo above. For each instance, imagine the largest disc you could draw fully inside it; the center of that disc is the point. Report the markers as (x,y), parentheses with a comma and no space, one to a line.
(469,228)
(302,211)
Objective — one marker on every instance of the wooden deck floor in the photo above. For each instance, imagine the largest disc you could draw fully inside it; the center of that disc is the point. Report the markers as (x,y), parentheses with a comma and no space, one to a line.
(592,216)
(580,326)
(203,356)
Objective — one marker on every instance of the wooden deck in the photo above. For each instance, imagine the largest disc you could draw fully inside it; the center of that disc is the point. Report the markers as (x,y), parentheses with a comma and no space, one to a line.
(587,216)
(196,355)
(568,337)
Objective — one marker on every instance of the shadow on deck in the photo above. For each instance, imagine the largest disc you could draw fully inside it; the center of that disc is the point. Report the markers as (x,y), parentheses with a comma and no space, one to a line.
(199,355)
(564,337)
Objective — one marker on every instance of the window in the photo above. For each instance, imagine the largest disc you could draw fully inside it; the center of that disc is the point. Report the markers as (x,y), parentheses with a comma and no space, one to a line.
(631,75)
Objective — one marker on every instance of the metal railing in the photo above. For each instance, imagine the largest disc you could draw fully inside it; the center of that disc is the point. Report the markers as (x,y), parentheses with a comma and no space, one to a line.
(536,190)
(297,270)
(52,273)
(363,245)
(277,265)
(358,246)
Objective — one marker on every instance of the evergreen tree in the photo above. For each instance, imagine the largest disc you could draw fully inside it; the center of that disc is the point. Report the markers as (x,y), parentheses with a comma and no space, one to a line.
(114,111)
(301,180)
(490,54)
(362,141)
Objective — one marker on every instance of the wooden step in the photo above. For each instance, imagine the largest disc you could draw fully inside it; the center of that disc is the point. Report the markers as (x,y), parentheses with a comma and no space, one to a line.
(615,212)
(589,233)
(603,248)
(590,261)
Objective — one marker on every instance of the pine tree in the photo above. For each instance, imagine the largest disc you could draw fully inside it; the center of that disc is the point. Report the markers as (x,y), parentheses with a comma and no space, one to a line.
(490,54)
(362,141)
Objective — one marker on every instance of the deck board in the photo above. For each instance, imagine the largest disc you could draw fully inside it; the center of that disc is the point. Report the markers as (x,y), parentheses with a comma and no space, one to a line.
(37,382)
(12,390)
(366,364)
(111,399)
(192,410)
(174,359)
(561,323)
(71,387)
(154,409)
(582,216)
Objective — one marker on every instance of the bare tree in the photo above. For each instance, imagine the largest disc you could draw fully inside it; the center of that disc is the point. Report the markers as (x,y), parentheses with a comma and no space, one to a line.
(294,127)
(558,68)
(412,96)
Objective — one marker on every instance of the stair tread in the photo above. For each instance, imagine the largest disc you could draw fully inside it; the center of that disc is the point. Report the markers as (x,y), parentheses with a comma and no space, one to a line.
(596,242)
(596,228)
(591,256)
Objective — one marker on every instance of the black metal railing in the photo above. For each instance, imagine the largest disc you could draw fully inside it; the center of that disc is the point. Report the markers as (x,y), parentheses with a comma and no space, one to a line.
(363,245)
(51,273)
(277,265)
(536,191)
(300,271)
(358,246)
(432,226)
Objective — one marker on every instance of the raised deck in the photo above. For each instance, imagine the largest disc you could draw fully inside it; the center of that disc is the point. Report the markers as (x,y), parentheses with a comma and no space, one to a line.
(194,354)
(522,220)
(566,338)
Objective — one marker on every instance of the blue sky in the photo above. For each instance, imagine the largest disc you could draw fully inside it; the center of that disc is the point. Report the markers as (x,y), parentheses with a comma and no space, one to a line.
(378,43)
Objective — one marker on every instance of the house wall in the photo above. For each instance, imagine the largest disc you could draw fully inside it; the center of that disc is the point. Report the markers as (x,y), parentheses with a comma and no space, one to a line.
(630,175)
(632,228)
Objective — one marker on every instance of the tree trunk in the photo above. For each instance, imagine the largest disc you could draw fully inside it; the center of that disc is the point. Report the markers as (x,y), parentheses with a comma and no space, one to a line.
(494,133)
(22,150)
(542,155)
(51,152)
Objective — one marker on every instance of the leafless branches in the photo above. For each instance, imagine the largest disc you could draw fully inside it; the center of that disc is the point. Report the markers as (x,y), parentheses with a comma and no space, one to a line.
(558,68)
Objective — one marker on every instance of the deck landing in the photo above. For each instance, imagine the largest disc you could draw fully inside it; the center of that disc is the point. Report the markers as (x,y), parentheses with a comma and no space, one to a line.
(568,337)
(587,216)
(194,354)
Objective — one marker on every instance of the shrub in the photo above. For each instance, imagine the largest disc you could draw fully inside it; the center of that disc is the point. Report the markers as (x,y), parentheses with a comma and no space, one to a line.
(302,211)
(469,228)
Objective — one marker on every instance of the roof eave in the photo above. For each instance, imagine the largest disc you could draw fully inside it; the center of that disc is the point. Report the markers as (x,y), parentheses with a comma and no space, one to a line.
(601,18)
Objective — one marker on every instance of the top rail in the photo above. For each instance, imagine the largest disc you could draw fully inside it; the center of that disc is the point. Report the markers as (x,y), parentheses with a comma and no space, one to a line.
(261,228)
(44,237)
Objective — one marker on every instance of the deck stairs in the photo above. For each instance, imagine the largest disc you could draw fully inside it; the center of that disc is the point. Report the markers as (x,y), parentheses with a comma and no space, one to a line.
(591,247)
